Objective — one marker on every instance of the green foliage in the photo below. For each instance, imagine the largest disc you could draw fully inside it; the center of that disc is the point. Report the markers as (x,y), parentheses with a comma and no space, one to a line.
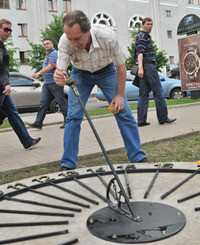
(161,59)
(13,62)
(131,49)
(37,53)
(160,55)
(54,30)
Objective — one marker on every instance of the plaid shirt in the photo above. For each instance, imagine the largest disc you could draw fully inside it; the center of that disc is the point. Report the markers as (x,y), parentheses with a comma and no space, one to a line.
(105,48)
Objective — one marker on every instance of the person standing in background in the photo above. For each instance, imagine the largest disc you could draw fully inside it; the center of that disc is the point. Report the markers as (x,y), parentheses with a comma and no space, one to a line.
(5,89)
(50,89)
(149,78)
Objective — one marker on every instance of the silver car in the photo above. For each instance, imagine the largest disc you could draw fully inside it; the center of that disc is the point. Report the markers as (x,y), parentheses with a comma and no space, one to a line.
(26,93)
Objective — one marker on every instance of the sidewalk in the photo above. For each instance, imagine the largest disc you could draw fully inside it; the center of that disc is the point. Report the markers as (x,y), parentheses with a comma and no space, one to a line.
(13,156)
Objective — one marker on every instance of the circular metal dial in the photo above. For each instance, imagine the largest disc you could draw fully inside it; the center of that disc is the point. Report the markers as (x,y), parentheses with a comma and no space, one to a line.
(190,63)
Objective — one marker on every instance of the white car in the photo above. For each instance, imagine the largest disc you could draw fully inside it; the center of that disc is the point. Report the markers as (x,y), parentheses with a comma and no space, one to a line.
(26,93)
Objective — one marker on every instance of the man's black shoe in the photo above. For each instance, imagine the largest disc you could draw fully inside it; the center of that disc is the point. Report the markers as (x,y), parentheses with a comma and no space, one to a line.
(168,121)
(63,168)
(144,160)
(33,125)
(63,126)
(143,124)
(34,143)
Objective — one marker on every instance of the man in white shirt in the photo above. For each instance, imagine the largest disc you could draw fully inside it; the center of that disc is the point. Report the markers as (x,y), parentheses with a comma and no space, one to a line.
(98,58)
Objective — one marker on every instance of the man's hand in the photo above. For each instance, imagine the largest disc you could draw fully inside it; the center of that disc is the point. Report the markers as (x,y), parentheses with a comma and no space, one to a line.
(60,77)
(36,76)
(7,90)
(118,101)
(140,72)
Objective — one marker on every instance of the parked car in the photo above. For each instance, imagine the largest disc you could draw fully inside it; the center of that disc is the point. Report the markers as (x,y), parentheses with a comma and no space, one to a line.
(26,93)
(171,88)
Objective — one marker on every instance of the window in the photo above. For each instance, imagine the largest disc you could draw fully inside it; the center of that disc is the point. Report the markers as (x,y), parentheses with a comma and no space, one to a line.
(20,4)
(135,22)
(66,5)
(24,58)
(191,1)
(52,4)
(103,19)
(171,59)
(22,30)
(4,4)
(17,81)
(169,34)
(168,13)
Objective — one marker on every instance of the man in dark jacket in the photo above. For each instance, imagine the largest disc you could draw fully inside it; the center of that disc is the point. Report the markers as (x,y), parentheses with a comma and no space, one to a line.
(5,90)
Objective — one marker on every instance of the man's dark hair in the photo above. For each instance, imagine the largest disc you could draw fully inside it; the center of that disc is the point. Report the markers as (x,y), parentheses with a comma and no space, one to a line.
(76,17)
(147,19)
(49,39)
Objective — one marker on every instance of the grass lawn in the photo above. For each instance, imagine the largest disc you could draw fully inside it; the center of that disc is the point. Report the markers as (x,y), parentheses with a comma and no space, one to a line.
(178,149)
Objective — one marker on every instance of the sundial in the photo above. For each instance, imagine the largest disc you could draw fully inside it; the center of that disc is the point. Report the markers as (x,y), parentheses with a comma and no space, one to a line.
(112,204)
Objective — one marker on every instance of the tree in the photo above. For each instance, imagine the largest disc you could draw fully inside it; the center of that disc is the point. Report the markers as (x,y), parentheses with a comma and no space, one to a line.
(131,49)
(14,63)
(37,55)
(54,31)
(161,59)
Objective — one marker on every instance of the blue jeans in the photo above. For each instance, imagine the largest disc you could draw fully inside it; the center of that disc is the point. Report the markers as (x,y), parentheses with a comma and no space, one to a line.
(50,91)
(15,121)
(151,81)
(106,79)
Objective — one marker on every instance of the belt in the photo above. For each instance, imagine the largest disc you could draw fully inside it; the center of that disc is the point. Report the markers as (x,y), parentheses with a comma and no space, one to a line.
(96,72)
(150,62)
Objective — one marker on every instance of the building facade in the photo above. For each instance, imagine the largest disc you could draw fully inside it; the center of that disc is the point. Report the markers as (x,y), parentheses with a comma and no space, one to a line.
(30,16)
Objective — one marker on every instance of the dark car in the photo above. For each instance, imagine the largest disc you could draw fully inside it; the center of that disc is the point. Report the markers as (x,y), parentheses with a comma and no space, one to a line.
(26,93)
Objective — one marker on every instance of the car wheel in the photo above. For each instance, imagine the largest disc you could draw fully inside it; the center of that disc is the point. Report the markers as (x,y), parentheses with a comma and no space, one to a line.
(177,94)
(54,107)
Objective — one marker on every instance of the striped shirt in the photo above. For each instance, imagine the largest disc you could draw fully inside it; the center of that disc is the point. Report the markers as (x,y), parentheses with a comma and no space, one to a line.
(53,55)
(144,45)
(104,49)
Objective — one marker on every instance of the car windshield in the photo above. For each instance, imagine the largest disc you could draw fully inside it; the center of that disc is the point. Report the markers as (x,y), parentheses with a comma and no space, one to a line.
(20,81)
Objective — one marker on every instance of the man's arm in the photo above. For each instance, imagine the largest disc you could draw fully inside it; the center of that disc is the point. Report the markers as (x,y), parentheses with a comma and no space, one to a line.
(119,98)
(7,90)
(43,71)
(140,65)
(4,67)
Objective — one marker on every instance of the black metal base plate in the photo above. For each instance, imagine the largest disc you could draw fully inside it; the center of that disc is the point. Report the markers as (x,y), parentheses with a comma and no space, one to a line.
(159,221)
